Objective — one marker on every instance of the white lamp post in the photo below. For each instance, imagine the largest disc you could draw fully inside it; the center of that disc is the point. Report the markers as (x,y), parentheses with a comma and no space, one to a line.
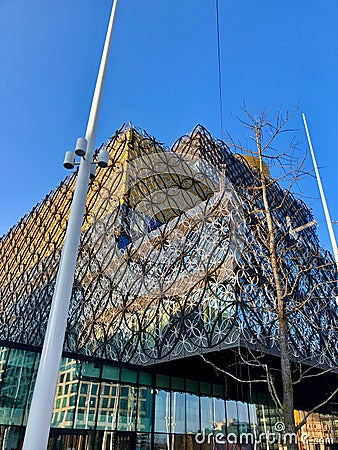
(39,419)
(322,195)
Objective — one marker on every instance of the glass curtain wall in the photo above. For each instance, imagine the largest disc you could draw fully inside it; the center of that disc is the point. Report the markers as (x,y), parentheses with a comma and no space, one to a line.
(105,407)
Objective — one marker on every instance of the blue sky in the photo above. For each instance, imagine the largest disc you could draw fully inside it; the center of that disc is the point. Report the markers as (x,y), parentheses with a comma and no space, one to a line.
(162,76)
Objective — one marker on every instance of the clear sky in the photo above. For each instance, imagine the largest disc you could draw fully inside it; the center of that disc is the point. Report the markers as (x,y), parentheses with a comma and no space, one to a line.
(162,76)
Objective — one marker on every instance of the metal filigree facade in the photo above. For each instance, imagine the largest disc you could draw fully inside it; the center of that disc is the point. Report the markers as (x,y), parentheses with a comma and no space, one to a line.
(172,260)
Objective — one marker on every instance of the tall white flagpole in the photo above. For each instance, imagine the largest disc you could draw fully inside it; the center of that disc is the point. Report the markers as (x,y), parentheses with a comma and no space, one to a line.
(41,409)
(321,190)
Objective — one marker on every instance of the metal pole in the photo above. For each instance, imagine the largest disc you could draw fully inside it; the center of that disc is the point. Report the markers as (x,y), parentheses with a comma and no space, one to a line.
(321,191)
(41,409)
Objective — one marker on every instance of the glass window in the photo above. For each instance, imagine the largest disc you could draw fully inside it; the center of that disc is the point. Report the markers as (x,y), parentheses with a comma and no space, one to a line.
(205,388)
(108,406)
(191,386)
(253,420)
(179,442)
(111,373)
(84,387)
(85,414)
(145,378)
(144,409)
(143,441)
(207,422)
(193,413)
(219,419)
(162,442)
(162,381)
(90,370)
(82,400)
(129,376)
(16,384)
(177,412)
(127,409)
(232,419)
(31,387)
(217,390)
(177,383)
(243,417)
(162,411)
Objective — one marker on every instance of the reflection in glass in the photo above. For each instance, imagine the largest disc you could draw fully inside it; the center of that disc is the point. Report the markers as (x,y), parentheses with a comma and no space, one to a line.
(66,394)
(219,419)
(87,404)
(243,417)
(207,422)
(253,419)
(193,413)
(162,442)
(178,412)
(143,441)
(144,409)
(162,411)
(17,379)
(108,406)
(127,408)
(232,419)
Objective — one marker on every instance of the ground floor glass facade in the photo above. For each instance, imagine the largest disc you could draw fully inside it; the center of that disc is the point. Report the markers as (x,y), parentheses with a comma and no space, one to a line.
(103,406)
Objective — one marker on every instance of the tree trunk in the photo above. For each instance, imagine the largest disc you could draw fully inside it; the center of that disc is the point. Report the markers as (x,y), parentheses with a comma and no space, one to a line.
(288,410)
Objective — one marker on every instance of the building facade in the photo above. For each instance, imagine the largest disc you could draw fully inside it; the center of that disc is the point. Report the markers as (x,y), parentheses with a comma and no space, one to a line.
(172,298)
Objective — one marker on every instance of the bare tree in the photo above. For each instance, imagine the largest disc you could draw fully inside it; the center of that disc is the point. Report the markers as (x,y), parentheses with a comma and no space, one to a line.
(285,252)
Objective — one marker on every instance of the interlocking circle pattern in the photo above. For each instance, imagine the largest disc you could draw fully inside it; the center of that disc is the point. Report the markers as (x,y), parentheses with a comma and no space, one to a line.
(173,259)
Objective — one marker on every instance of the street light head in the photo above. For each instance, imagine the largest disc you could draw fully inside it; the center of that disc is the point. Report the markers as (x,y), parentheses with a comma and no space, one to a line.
(69,160)
(103,158)
(81,146)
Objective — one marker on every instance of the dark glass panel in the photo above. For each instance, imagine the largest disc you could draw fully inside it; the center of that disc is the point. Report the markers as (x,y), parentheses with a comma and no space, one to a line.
(205,388)
(162,381)
(16,384)
(191,386)
(162,442)
(143,441)
(145,378)
(111,373)
(217,390)
(90,370)
(128,376)
(177,384)
(145,409)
